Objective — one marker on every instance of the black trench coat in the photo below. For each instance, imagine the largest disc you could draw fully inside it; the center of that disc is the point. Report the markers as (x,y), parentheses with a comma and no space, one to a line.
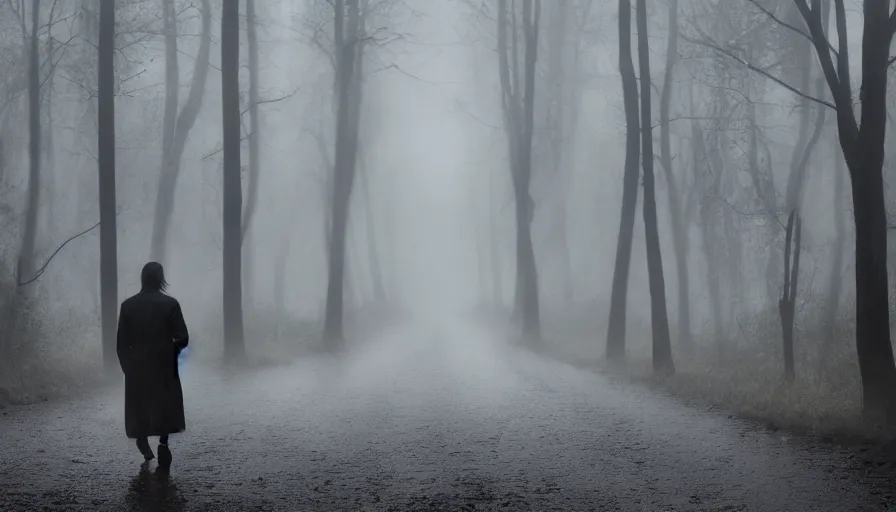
(151,334)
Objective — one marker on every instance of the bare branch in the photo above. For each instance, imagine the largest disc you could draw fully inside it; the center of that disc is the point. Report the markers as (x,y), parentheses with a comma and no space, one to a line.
(215,152)
(761,213)
(408,74)
(272,100)
(43,269)
(712,46)
(786,25)
(460,106)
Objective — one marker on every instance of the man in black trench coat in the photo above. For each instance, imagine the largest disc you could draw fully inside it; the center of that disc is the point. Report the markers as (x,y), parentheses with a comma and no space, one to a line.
(151,334)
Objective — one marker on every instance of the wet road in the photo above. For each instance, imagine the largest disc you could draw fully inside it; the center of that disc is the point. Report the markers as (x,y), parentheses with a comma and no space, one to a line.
(435,418)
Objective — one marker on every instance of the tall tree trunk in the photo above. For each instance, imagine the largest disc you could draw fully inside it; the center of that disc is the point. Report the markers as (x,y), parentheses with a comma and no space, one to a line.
(373,256)
(169,121)
(508,74)
(495,246)
(344,169)
(326,195)
(254,148)
(863,147)
(795,178)
(701,171)
(26,256)
(357,94)
(482,286)
(733,262)
(354,270)
(662,346)
(619,293)
(835,281)
(49,149)
(253,136)
(562,227)
(679,226)
(713,277)
(280,265)
(524,204)
(106,152)
(787,303)
(234,346)
(800,162)
(558,99)
(865,160)
(708,147)
(177,127)
(573,107)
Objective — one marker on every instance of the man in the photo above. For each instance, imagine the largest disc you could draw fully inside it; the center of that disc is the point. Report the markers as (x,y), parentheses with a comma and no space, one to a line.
(151,334)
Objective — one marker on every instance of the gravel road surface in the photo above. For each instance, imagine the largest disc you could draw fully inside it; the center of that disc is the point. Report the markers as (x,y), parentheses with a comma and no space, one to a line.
(429,417)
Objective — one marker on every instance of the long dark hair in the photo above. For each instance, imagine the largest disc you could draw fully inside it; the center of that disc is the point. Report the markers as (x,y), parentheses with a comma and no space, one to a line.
(152,278)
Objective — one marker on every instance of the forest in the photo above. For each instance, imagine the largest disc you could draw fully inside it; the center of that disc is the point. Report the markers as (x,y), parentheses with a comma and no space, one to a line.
(693,192)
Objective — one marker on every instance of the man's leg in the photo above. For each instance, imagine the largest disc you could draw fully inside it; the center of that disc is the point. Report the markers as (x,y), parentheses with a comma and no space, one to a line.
(164,452)
(143,446)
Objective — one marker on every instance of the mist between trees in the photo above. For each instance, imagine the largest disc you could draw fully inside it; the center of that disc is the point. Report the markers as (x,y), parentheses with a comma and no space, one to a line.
(306,169)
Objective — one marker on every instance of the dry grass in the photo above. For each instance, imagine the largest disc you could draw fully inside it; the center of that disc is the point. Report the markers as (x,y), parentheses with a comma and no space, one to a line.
(824,400)
(808,405)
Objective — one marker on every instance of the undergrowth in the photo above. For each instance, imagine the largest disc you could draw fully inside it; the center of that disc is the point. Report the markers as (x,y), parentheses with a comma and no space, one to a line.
(745,376)
(42,357)
(47,354)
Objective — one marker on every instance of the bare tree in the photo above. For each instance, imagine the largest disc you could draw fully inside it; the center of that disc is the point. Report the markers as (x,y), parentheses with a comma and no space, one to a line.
(497,271)
(835,281)
(862,141)
(177,126)
(373,258)
(25,266)
(662,349)
(787,303)
(518,102)
(795,186)
(364,25)
(234,345)
(253,136)
(346,24)
(707,185)
(553,83)
(619,292)
(716,144)
(676,208)
(106,152)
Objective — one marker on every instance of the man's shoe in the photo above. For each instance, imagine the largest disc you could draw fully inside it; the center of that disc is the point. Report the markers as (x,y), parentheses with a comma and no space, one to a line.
(143,446)
(164,456)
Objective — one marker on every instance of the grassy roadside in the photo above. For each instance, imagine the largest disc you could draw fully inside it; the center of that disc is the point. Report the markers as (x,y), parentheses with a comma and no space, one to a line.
(751,388)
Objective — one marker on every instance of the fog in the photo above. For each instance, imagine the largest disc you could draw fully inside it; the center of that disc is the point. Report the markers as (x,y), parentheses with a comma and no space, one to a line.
(433,218)
(447,254)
